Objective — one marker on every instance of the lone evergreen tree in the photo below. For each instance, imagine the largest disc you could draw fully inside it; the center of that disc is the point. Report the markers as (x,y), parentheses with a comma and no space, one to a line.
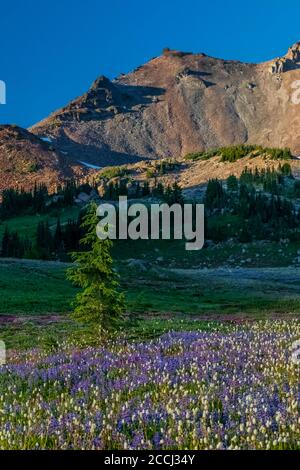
(100,301)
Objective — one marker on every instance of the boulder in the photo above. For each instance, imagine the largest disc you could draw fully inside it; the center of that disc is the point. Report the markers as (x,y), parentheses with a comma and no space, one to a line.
(83,197)
(137,264)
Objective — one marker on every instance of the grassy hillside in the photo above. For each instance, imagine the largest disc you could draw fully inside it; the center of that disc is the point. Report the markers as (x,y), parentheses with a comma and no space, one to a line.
(34,287)
(26,225)
(40,288)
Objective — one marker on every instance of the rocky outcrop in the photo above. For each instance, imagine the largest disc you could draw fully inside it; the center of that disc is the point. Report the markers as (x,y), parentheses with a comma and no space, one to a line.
(294,53)
(289,62)
(279,65)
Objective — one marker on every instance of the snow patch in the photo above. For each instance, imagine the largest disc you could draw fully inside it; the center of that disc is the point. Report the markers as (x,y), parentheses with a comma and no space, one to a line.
(46,139)
(89,165)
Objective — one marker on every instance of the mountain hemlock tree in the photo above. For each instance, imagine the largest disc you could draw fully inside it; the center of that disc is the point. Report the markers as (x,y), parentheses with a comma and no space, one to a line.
(100,301)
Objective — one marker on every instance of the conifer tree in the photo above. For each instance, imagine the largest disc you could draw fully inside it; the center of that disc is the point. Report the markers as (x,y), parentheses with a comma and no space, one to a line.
(232,183)
(58,242)
(146,189)
(5,243)
(100,301)
(44,240)
(58,237)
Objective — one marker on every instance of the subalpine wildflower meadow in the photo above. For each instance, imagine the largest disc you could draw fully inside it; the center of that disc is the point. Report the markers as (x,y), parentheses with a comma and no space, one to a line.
(229,387)
(191,358)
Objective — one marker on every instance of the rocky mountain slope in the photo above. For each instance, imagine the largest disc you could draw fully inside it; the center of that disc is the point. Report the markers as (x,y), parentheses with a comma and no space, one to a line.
(178,103)
(175,104)
(192,176)
(26,159)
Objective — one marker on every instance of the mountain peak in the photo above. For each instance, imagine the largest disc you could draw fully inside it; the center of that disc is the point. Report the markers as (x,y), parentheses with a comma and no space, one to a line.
(178,103)
(101,82)
(167,52)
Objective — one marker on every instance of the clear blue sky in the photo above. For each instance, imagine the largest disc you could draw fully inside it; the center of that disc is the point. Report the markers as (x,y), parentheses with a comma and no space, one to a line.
(51,51)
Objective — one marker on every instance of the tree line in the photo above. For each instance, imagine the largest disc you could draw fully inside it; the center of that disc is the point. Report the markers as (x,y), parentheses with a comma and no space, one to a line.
(256,213)
(47,244)
(17,202)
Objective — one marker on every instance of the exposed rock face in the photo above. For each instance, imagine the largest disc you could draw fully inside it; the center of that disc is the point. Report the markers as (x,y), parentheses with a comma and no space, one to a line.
(103,100)
(279,65)
(294,52)
(178,103)
(26,159)
(289,62)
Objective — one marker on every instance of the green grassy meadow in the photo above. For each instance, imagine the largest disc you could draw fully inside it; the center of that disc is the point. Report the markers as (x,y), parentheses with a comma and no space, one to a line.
(26,225)
(36,299)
